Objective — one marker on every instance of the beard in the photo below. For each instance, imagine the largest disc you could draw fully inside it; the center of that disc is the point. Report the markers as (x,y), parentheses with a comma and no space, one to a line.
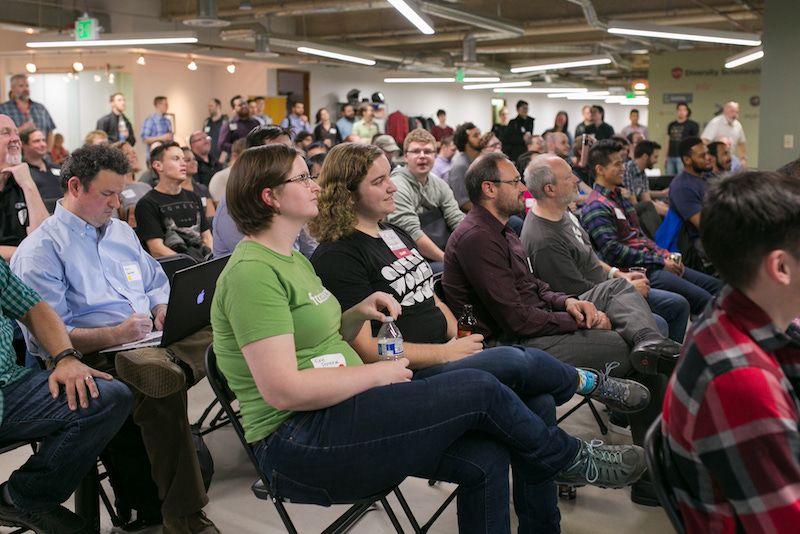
(13,158)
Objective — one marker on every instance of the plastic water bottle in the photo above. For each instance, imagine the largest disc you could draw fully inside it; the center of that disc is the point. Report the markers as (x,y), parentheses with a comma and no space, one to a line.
(390,342)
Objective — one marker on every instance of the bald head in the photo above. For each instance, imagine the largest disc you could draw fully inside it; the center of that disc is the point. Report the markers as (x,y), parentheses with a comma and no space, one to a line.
(10,144)
(557,143)
(731,111)
(550,180)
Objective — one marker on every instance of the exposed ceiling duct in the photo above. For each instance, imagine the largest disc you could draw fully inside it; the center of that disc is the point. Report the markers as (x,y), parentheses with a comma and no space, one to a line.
(469,55)
(458,14)
(206,16)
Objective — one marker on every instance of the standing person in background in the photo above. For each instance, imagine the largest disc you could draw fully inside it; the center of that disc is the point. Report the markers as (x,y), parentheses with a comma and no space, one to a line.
(365,129)
(346,121)
(727,125)
(253,107)
(24,111)
(599,127)
(634,126)
(586,114)
(236,128)
(157,127)
(441,130)
(325,131)
(514,139)
(296,121)
(212,126)
(259,113)
(116,124)
(58,153)
(561,124)
(499,128)
(678,130)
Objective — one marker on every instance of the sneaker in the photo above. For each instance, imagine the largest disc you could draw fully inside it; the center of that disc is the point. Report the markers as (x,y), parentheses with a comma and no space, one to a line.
(620,394)
(59,520)
(196,523)
(605,466)
(150,371)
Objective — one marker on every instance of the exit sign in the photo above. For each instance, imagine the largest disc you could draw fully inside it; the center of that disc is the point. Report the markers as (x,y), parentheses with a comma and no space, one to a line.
(86,29)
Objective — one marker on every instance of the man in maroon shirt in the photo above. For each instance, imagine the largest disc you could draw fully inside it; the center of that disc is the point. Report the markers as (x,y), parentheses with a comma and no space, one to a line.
(731,415)
(485,265)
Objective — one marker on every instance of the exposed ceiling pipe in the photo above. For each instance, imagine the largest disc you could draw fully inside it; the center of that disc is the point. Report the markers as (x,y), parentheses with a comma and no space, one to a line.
(594,21)
(493,24)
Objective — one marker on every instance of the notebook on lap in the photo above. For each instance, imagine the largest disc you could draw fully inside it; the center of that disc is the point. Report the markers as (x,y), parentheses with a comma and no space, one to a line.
(189,308)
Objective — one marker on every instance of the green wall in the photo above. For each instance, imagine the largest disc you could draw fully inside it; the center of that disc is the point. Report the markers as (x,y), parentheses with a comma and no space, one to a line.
(703,77)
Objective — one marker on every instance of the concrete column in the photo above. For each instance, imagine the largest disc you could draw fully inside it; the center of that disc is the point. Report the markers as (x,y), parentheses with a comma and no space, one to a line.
(780,79)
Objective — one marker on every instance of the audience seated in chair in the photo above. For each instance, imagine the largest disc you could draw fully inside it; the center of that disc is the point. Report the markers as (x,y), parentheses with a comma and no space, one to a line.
(108,291)
(280,340)
(72,409)
(731,415)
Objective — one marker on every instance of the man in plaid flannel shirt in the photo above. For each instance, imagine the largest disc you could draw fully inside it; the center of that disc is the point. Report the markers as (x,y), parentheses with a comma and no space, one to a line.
(611,221)
(731,414)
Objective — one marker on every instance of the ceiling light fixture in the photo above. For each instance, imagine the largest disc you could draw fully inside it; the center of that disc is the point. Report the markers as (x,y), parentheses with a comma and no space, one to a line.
(77,66)
(570,63)
(192,65)
(231,68)
(498,85)
(683,33)
(97,77)
(419,80)
(747,56)
(30,67)
(542,90)
(639,86)
(335,55)
(481,79)
(458,14)
(141,61)
(409,10)
(119,39)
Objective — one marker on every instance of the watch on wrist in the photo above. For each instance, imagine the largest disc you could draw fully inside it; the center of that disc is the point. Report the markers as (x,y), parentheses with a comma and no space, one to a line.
(66,353)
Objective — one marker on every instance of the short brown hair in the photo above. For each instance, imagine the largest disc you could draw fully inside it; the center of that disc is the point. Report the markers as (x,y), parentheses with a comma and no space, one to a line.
(419,135)
(256,169)
(343,170)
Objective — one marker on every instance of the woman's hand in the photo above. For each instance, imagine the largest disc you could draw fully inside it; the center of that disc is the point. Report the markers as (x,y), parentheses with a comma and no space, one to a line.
(378,307)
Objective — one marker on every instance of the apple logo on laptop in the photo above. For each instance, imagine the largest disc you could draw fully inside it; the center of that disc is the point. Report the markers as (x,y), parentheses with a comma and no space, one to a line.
(201,297)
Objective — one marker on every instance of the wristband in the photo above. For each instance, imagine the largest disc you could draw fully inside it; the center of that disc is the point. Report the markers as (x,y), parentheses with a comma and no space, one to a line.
(612,272)
(66,353)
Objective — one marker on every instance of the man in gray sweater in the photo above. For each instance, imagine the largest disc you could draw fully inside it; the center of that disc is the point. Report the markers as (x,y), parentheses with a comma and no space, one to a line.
(424,203)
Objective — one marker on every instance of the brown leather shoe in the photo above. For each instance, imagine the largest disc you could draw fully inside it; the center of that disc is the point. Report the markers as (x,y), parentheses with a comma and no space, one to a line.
(150,371)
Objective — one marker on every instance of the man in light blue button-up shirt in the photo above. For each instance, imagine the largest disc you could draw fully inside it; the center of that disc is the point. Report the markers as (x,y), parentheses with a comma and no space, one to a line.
(108,291)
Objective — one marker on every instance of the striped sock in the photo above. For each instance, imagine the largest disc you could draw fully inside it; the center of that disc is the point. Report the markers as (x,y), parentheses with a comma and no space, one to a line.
(587,381)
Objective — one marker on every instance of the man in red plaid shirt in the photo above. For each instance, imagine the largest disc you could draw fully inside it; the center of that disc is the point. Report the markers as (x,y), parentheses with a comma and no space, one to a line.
(731,412)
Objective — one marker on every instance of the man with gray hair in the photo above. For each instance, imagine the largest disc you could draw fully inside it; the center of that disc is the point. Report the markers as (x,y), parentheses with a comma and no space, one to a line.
(25,112)
(21,207)
(727,124)
(557,143)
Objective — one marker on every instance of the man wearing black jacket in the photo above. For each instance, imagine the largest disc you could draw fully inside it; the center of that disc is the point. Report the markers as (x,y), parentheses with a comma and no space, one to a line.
(116,124)
(514,139)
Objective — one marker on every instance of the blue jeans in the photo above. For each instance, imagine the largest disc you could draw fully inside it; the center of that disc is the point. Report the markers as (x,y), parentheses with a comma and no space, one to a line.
(696,287)
(673,308)
(462,426)
(71,440)
(674,166)
(542,382)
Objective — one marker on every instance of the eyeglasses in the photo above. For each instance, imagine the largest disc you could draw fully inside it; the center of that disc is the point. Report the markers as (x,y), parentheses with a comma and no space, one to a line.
(304,179)
(513,182)
(419,151)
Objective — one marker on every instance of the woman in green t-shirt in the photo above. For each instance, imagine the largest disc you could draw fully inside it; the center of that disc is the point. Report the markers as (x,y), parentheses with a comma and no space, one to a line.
(327,428)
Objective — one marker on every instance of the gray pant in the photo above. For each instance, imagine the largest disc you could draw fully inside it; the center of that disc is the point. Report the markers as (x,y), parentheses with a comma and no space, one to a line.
(625,306)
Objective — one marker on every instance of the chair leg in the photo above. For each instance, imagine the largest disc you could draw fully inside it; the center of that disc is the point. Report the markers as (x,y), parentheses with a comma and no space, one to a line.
(572,410)
(348,519)
(284,515)
(392,517)
(600,423)
(426,527)
(407,510)
(207,412)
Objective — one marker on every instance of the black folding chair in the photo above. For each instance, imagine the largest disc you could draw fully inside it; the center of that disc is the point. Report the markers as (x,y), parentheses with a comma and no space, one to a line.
(174,263)
(261,488)
(657,465)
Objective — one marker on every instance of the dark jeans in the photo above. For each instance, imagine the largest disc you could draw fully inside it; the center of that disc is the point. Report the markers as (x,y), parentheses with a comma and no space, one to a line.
(71,441)
(542,382)
(462,426)
(673,308)
(696,287)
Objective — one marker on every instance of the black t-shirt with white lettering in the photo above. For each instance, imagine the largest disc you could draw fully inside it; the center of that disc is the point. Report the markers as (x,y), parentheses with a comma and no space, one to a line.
(48,181)
(13,214)
(177,219)
(357,265)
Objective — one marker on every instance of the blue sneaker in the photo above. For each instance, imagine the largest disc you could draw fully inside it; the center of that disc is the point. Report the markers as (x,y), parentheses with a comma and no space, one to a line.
(605,466)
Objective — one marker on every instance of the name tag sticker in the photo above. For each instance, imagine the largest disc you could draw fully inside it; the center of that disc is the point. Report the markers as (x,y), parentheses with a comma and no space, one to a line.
(233,126)
(132,272)
(203,201)
(332,130)
(127,193)
(327,361)
(56,172)
(207,129)
(394,243)
(619,214)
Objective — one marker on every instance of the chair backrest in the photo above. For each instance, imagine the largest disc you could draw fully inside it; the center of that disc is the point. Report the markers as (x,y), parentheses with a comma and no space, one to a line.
(657,465)
(174,263)
(226,397)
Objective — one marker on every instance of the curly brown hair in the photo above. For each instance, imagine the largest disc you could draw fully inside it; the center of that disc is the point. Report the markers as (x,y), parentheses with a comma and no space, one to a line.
(345,166)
